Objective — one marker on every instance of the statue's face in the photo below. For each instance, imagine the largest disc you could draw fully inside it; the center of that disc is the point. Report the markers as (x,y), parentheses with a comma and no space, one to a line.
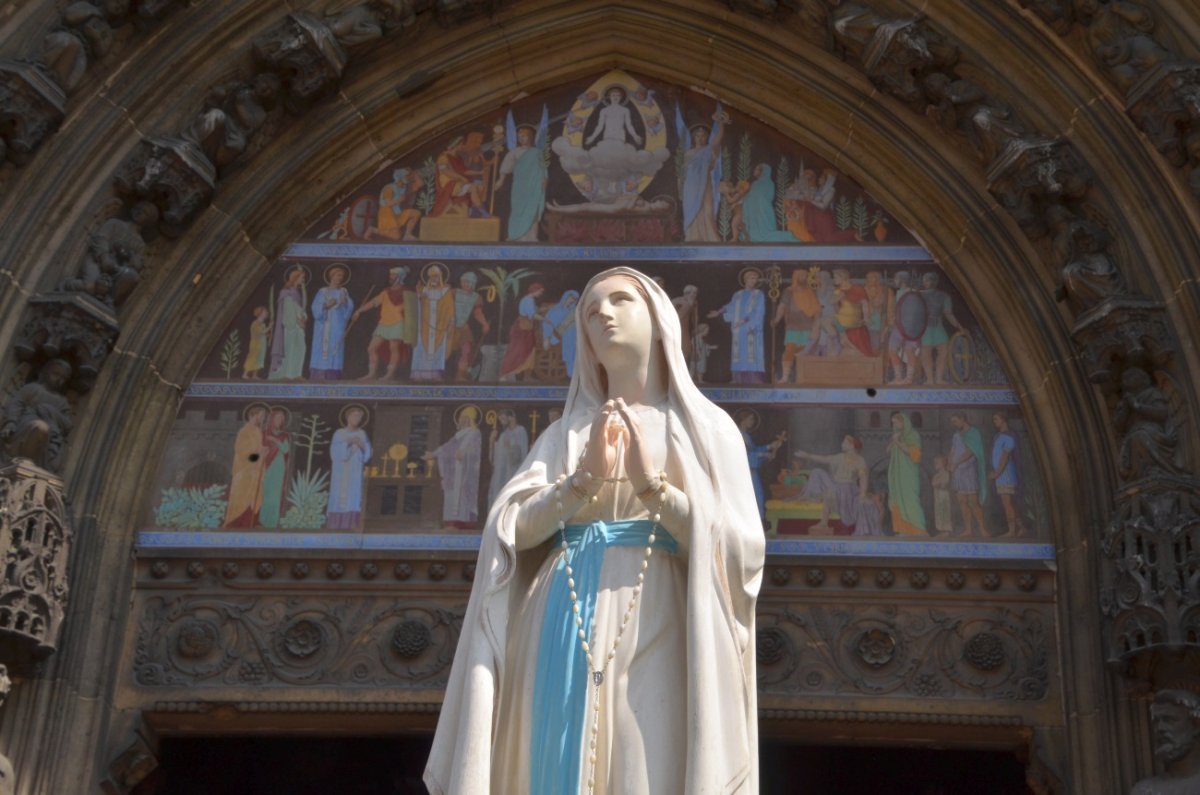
(54,376)
(1176,732)
(616,316)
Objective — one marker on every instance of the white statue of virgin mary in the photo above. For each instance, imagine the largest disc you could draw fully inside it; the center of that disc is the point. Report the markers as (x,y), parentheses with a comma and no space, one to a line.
(609,641)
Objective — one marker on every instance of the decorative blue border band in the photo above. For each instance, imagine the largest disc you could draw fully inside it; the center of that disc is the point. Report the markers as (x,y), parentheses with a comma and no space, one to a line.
(431,542)
(538,253)
(516,393)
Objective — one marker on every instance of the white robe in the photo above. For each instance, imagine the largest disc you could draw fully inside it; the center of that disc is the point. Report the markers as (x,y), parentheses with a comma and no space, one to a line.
(720,558)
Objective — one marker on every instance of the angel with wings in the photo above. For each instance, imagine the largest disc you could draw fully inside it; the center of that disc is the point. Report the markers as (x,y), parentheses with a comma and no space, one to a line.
(701,146)
(526,163)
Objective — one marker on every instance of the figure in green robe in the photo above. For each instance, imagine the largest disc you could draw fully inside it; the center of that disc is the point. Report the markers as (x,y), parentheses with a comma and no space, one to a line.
(904,478)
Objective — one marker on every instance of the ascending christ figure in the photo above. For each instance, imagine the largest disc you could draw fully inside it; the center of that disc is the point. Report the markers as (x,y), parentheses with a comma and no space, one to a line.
(614,597)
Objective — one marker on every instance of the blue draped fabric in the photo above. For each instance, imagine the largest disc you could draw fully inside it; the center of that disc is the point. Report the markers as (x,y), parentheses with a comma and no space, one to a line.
(561,688)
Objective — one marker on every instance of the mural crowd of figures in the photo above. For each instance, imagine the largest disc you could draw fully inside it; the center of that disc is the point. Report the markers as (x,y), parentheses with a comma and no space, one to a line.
(862,324)
(392,370)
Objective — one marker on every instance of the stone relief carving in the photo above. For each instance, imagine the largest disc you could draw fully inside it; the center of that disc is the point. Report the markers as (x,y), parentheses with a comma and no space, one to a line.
(232,113)
(306,55)
(37,418)
(34,542)
(116,254)
(200,641)
(1034,175)
(1175,721)
(84,34)
(171,173)
(31,108)
(999,653)
(1160,87)
(1089,274)
(71,326)
(896,53)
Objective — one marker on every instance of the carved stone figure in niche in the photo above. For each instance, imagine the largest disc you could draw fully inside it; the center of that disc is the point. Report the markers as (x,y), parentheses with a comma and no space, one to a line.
(1120,39)
(232,113)
(1175,717)
(115,257)
(1089,274)
(32,106)
(38,418)
(173,174)
(1033,175)
(964,106)
(1150,435)
(305,55)
(85,33)
(662,464)
(357,25)
(895,53)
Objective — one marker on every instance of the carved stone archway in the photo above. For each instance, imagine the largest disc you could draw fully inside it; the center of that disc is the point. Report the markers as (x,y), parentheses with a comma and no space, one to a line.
(787,68)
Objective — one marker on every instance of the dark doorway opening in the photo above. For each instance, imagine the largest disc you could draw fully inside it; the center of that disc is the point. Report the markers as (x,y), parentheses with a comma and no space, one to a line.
(787,768)
(393,765)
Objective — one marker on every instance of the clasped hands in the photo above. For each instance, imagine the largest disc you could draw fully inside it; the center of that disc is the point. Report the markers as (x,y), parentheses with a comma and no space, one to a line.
(614,428)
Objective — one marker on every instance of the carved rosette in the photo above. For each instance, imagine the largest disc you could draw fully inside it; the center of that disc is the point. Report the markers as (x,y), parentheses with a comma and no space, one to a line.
(34,542)
(231,642)
(997,653)
(31,107)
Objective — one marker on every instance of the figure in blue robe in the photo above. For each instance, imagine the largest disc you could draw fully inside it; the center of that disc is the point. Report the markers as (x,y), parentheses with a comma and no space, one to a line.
(559,326)
(745,313)
(331,311)
(701,176)
(350,449)
(758,210)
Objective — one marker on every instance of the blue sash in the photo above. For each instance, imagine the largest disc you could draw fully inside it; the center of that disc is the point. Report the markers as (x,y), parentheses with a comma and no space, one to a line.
(561,687)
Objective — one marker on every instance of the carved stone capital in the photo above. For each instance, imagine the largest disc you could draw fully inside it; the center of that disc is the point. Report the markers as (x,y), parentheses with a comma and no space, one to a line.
(1123,331)
(1152,603)
(1032,174)
(34,542)
(71,326)
(174,175)
(32,105)
(1165,103)
(304,52)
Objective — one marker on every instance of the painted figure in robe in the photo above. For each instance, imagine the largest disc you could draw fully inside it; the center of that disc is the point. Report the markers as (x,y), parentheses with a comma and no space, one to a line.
(904,477)
(522,337)
(758,210)
(935,342)
(394,332)
(332,309)
(799,310)
(639,493)
(509,444)
(745,313)
(288,346)
(559,328)
(458,462)
(278,444)
(844,485)
(435,319)
(701,175)
(245,485)
(256,352)
(968,473)
(526,164)
(757,455)
(1006,475)
(468,306)
(349,451)
(397,217)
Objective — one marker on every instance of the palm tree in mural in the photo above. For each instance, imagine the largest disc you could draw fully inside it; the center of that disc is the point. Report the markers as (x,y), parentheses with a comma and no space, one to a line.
(504,285)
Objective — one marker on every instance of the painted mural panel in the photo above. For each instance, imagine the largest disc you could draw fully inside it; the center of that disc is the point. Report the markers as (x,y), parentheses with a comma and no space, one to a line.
(620,159)
(391,370)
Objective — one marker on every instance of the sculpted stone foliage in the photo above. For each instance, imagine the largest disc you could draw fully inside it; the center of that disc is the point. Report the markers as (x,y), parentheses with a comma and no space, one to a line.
(199,641)
(1000,653)
(34,541)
